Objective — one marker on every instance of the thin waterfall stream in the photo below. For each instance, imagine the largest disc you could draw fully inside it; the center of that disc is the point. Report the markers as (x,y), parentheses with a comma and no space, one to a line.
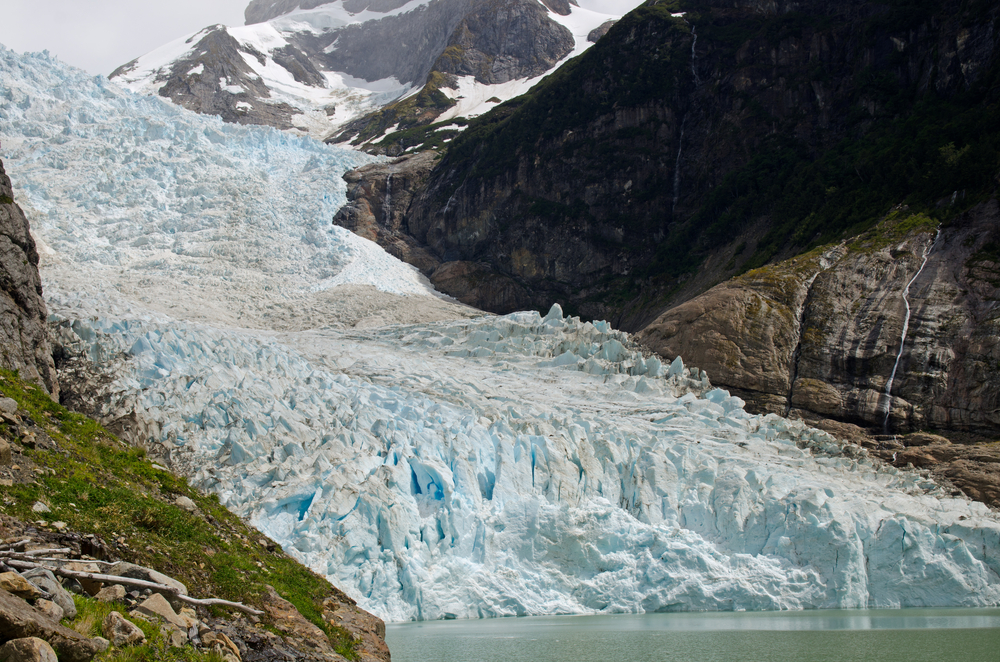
(906,329)
(680,141)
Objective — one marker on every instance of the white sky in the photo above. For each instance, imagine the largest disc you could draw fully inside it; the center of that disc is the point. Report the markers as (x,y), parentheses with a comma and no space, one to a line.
(101,35)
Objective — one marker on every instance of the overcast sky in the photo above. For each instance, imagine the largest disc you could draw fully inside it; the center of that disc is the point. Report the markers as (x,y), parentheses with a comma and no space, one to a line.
(101,35)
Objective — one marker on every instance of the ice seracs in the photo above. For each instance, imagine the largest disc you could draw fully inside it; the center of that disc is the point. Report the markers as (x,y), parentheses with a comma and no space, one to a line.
(490,466)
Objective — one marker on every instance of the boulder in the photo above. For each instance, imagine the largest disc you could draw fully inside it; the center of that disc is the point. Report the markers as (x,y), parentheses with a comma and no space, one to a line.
(157,607)
(186,504)
(288,620)
(14,583)
(45,580)
(121,632)
(50,609)
(90,586)
(133,571)
(18,620)
(114,593)
(28,649)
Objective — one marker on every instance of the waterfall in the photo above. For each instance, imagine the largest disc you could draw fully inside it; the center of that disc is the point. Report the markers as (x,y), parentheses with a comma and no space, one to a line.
(680,142)
(694,56)
(387,205)
(906,329)
(677,167)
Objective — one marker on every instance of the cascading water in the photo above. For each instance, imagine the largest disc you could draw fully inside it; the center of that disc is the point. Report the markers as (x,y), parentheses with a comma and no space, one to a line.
(680,141)
(387,206)
(677,167)
(906,329)
(694,56)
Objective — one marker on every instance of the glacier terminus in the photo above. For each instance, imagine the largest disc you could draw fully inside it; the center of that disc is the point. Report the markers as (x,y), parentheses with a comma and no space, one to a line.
(463,466)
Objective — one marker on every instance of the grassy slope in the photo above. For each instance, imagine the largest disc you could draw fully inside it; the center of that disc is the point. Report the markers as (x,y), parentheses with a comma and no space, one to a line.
(97,484)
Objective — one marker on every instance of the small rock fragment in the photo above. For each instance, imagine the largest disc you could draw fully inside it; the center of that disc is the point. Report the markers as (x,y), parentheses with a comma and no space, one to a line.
(8,406)
(40,507)
(5,455)
(114,593)
(121,632)
(186,504)
(102,644)
(29,649)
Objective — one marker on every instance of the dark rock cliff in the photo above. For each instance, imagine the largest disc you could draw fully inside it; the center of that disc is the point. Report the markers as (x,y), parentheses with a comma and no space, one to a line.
(680,151)
(24,340)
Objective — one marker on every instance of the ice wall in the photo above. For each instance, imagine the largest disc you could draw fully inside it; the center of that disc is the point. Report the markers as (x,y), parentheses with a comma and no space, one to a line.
(505,465)
(528,465)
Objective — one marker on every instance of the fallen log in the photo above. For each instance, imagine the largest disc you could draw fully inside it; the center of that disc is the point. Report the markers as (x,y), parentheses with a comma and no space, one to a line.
(139,583)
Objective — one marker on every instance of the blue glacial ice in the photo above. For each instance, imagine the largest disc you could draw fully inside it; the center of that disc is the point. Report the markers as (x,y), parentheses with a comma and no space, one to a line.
(494,466)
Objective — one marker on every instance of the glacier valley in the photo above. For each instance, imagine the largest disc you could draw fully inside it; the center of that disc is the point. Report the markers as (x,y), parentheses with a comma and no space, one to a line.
(432,461)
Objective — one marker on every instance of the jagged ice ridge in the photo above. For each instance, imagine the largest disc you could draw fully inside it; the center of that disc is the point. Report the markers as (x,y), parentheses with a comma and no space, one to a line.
(496,466)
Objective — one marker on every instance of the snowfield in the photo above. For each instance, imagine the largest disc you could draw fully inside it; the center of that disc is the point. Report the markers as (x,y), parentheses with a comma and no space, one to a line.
(451,464)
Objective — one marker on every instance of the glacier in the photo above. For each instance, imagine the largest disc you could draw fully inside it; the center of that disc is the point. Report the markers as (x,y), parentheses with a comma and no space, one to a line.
(463,465)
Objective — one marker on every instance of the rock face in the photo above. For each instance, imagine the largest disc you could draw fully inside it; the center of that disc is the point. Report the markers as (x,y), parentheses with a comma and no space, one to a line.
(503,40)
(821,334)
(308,66)
(678,150)
(24,342)
(215,79)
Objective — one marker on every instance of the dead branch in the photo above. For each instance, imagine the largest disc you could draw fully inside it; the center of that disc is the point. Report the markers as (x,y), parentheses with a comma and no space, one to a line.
(139,583)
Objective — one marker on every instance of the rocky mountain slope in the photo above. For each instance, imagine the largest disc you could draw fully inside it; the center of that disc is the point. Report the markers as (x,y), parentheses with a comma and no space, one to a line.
(23,316)
(683,149)
(822,332)
(699,140)
(314,66)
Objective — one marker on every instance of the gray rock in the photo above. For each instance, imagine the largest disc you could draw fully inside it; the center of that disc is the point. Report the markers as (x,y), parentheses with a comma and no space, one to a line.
(45,580)
(156,606)
(28,649)
(186,504)
(133,571)
(23,314)
(8,405)
(50,609)
(19,620)
(121,632)
(600,31)
(113,593)
(5,453)
(40,508)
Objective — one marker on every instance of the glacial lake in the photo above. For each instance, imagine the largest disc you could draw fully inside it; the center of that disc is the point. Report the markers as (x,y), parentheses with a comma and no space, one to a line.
(904,635)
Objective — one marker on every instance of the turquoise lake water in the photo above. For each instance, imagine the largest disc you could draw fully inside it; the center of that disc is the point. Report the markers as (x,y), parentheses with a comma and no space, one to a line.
(905,635)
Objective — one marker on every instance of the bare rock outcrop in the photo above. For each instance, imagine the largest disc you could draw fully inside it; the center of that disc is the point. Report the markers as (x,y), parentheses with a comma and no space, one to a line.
(24,340)
(824,338)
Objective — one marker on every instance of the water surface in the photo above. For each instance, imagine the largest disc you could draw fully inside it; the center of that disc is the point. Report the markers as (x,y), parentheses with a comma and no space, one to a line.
(905,635)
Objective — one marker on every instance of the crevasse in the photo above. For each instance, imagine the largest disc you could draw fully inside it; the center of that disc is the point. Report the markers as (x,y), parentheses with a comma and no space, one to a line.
(504,465)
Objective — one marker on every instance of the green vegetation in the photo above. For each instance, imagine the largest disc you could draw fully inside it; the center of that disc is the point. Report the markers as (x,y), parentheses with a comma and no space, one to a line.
(6,200)
(417,111)
(566,99)
(431,136)
(97,484)
(847,189)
